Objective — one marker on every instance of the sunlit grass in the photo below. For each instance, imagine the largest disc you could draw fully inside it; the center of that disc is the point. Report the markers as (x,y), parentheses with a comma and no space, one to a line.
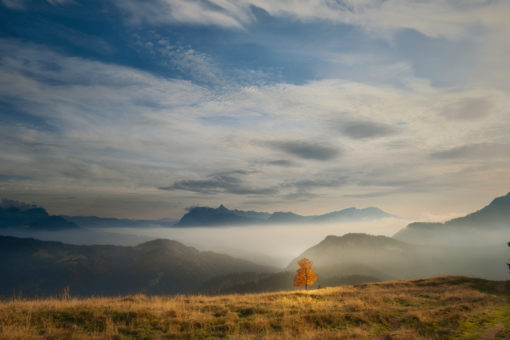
(450,307)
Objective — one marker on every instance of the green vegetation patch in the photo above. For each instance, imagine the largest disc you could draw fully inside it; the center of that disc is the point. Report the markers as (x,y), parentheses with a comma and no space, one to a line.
(474,328)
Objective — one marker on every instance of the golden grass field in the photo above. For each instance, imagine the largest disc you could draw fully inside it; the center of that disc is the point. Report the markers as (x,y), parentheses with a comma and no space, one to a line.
(435,308)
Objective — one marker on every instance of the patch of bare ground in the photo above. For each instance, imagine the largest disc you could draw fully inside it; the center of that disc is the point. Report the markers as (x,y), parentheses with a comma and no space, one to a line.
(490,333)
(435,308)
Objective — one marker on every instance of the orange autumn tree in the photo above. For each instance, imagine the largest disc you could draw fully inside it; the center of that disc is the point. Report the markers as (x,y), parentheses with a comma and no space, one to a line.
(305,275)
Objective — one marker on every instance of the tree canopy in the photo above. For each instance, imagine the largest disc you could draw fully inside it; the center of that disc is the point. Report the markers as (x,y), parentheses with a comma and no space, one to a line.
(305,275)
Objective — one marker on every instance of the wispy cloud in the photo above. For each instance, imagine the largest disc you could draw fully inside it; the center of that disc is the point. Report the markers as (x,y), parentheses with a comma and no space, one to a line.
(221,13)
(479,151)
(121,133)
(306,150)
(196,65)
(282,162)
(449,19)
(226,182)
(366,129)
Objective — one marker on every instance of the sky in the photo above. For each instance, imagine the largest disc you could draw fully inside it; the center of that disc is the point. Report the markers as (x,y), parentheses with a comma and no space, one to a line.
(139,109)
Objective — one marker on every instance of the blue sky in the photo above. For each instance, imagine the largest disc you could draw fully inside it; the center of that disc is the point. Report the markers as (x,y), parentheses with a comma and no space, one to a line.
(142,108)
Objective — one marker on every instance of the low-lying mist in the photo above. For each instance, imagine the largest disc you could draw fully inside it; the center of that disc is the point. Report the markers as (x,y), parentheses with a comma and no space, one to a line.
(463,252)
(273,245)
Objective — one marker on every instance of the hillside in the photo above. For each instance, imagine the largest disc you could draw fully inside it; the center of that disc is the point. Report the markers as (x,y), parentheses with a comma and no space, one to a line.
(444,307)
(361,258)
(242,283)
(31,267)
(490,224)
(387,258)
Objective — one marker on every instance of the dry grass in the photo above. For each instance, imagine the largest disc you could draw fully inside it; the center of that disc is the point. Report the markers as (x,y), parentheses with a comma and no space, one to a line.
(438,308)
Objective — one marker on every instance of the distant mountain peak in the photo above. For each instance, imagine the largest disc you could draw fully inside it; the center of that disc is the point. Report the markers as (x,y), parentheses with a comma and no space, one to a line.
(501,200)
(489,223)
(207,216)
(287,217)
(358,237)
(372,209)
(15,214)
(285,213)
(354,213)
(160,242)
(6,204)
(353,253)
(348,236)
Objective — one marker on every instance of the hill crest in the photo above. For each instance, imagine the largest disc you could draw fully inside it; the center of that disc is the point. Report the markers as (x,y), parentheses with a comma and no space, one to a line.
(490,224)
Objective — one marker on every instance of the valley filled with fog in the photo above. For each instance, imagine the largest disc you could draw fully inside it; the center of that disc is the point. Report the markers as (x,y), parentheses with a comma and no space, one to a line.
(236,251)
(280,243)
(273,245)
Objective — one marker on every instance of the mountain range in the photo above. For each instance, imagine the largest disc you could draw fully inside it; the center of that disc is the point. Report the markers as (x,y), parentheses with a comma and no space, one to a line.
(14,214)
(111,222)
(209,217)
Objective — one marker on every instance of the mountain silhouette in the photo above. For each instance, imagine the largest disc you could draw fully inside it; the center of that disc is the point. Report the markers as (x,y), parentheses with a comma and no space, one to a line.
(206,216)
(354,253)
(490,224)
(41,268)
(110,222)
(353,214)
(14,214)
(288,217)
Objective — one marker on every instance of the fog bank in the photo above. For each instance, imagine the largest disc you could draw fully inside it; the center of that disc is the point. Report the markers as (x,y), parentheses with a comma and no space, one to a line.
(276,243)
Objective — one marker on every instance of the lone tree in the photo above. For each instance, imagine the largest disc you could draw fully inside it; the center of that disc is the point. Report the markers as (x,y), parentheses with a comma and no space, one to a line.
(305,275)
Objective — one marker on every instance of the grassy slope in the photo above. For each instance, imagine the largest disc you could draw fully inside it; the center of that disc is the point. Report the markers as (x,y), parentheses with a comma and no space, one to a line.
(438,308)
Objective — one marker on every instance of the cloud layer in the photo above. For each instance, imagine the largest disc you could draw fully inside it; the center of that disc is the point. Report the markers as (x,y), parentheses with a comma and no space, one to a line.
(451,19)
(309,106)
(141,132)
